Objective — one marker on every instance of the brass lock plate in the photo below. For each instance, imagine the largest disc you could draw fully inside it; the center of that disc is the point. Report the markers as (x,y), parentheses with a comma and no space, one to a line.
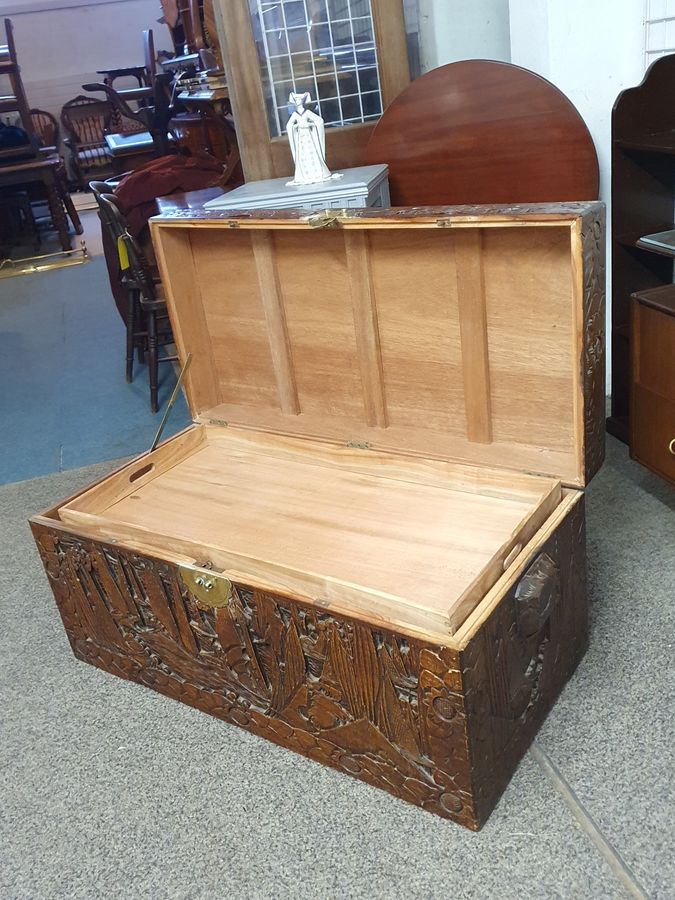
(210,590)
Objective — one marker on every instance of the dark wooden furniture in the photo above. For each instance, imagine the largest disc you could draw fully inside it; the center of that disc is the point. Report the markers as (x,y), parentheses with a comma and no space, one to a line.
(147,321)
(480,131)
(34,171)
(154,101)
(130,151)
(17,222)
(652,420)
(207,127)
(643,201)
(45,174)
(194,34)
(85,121)
(314,560)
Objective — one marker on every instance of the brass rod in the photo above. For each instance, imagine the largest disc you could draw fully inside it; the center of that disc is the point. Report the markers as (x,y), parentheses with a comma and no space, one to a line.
(172,400)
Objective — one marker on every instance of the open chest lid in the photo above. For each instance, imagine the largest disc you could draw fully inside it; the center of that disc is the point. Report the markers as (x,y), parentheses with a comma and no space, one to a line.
(466,333)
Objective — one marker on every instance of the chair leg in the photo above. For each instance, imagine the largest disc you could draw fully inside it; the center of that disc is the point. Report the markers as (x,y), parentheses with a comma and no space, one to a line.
(68,203)
(153,363)
(131,334)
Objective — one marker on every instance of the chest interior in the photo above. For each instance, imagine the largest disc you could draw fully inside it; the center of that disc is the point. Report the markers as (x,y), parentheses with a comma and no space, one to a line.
(387,413)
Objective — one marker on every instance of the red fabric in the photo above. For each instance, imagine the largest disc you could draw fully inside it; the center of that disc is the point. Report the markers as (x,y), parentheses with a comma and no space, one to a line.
(160,177)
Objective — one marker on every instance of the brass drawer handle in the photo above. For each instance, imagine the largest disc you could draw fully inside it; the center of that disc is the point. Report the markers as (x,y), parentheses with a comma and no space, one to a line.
(671,447)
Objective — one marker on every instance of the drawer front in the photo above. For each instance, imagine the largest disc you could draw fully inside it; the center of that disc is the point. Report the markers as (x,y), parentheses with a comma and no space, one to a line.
(653,432)
(655,370)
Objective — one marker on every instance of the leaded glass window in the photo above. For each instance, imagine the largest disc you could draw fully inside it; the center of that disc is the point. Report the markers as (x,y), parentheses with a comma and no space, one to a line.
(326,47)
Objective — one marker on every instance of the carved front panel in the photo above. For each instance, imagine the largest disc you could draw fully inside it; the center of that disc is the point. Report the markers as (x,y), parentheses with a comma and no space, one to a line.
(416,720)
(384,708)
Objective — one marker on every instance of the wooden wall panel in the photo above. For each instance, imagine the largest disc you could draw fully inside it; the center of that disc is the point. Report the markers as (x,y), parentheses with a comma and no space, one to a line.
(531,335)
(468,342)
(235,319)
(316,297)
(414,282)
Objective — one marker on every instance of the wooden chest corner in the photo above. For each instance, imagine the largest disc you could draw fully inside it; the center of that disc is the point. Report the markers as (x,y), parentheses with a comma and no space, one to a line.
(522,656)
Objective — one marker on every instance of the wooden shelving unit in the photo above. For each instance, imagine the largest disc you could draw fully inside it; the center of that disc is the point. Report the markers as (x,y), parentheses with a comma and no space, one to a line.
(652,421)
(643,202)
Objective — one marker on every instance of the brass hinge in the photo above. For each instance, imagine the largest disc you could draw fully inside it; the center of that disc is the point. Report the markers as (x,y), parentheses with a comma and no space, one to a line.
(209,589)
(221,422)
(232,223)
(444,223)
(328,218)
(359,445)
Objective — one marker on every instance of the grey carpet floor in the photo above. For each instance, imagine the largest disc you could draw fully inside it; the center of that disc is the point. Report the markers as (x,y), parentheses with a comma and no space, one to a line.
(109,790)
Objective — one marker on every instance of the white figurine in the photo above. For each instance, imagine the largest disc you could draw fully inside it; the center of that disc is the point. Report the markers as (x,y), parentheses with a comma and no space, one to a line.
(307,137)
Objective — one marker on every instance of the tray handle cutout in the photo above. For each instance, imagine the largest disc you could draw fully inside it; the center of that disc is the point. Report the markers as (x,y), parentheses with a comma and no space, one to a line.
(513,553)
(139,473)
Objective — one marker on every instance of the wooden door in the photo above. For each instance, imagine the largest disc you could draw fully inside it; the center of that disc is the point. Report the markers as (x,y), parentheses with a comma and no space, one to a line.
(350,54)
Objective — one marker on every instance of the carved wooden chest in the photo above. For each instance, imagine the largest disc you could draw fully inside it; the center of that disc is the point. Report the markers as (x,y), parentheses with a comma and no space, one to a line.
(369,547)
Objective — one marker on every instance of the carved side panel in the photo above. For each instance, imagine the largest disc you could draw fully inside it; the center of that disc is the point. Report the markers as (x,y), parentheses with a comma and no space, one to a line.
(593,362)
(517,664)
(381,707)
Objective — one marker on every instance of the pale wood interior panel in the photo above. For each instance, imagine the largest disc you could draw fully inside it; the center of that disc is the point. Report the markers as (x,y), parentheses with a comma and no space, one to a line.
(531,335)
(440,341)
(316,298)
(235,317)
(417,310)
(182,287)
(430,540)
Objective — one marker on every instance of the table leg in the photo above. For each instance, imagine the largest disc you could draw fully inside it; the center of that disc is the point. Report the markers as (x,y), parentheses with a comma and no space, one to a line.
(72,212)
(58,213)
(67,201)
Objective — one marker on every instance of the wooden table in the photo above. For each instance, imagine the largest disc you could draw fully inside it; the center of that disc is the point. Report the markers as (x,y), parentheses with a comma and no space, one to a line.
(45,171)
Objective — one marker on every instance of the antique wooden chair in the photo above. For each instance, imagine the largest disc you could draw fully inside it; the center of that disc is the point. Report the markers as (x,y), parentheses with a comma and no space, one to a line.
(155,107)
(147,320)
(46,127)
(86,121)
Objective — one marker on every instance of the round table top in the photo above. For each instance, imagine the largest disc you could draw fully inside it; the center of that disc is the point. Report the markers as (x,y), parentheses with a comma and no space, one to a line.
(480,131)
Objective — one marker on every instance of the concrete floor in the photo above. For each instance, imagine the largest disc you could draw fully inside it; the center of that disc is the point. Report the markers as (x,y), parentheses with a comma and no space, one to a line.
(108,789)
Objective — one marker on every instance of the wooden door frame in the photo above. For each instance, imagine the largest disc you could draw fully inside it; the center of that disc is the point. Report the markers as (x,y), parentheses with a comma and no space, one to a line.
(264,156)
